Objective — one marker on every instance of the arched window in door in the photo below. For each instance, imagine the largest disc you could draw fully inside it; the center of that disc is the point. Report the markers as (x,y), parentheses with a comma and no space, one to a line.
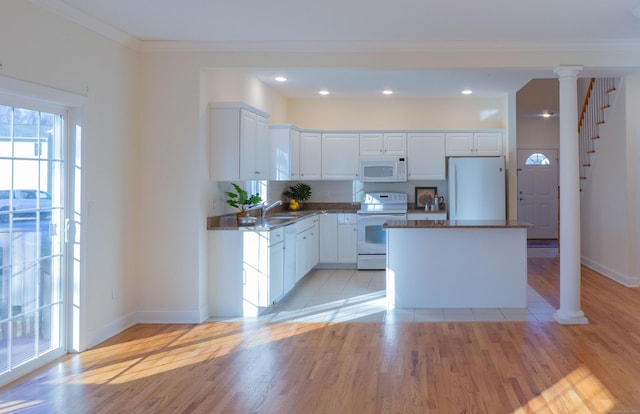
(537,159)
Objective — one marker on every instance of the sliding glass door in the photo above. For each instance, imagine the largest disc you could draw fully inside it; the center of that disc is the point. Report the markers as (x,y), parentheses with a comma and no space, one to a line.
(31,236)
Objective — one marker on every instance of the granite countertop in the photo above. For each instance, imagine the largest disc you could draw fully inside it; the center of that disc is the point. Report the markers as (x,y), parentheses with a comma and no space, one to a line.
(422,211)
(455,224)
(274,218)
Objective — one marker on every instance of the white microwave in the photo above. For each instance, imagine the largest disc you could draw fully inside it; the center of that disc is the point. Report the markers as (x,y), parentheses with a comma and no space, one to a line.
(383,169)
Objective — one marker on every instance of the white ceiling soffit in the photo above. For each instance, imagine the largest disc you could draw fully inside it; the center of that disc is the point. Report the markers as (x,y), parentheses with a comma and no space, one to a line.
(352,83)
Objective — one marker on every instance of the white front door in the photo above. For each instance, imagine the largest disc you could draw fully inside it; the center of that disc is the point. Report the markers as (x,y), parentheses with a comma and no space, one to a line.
(538,192)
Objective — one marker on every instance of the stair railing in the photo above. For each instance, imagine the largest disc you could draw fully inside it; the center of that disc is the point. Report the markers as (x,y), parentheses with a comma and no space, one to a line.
(596,102)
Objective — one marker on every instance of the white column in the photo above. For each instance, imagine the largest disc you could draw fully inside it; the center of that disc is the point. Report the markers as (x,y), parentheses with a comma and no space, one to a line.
(569,312)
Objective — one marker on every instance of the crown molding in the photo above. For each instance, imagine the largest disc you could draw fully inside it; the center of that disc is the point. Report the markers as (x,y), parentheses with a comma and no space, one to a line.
(385,47)
(98,26)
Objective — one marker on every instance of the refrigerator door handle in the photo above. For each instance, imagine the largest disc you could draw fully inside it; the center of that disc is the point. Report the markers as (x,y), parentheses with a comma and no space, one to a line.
(455,192)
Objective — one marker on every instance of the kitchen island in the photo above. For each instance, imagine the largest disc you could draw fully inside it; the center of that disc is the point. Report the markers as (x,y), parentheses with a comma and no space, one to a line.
(456,264)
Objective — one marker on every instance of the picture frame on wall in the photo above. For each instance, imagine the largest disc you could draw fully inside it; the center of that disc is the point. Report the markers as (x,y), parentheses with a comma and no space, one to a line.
(424,196)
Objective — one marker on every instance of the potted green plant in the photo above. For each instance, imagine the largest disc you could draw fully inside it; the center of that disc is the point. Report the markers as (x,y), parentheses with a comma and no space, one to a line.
(297,194)
(242,200)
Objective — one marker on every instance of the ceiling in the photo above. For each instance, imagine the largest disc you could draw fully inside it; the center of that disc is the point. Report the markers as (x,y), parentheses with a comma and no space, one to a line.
(380,26)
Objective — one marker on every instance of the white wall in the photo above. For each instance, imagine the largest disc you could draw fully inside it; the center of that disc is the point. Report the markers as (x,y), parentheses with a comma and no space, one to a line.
(172,190)
(392,113)
(539,132)
(609,200)
(43,49)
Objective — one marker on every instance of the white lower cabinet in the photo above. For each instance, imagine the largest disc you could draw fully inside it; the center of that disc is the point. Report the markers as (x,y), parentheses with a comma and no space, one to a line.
(338,238)
(328,238)
(246,272)
(276,266)
(290,253)
(347,242)
(307,246)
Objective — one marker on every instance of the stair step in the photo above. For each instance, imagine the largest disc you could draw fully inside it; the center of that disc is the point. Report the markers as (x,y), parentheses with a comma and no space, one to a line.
(600,123)
(611,90)
(586,165)
(596,137)
(582,177)
(605,107)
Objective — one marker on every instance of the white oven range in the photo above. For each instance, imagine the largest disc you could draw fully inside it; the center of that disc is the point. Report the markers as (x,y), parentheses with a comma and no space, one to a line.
(376,209)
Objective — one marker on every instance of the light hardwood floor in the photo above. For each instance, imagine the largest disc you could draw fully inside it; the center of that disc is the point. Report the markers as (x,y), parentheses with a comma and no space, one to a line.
(325,367)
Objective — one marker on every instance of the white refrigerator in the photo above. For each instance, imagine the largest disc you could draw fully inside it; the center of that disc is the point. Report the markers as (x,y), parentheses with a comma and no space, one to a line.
(477,188)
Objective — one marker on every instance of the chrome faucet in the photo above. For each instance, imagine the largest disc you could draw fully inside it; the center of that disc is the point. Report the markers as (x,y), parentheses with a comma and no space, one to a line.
(266,207)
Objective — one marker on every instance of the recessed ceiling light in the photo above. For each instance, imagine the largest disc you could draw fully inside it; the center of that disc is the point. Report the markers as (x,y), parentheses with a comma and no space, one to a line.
(387,92)
(324,92)
(280,79)
(467,92)
(547,114)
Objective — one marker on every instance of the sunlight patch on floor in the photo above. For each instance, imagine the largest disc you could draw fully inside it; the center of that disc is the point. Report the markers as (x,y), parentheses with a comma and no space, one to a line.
(578,392)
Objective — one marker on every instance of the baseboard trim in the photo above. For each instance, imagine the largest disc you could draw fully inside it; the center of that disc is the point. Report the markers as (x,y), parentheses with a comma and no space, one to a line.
(107,331)
(190,316)
(626,280)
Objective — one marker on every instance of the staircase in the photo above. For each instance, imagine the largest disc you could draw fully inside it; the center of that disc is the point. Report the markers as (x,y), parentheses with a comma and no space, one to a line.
(598,100)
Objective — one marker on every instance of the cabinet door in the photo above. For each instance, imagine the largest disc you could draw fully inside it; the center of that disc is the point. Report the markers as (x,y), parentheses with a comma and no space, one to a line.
(285,154)
(488,143)
(261,150)
(313,247)
(328,238)
(290,249)
(248,139)
(224,148)
(426,156)
(276,272)
(371,144)
(395,143)
(294,154)
(310,156)
(301,255)
(340,156)
(459,143)
(347,243)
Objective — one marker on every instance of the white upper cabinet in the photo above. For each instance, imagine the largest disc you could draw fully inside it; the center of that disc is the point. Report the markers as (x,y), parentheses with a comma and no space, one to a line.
(426,159)
(340,156)
(310,155)
(285,153)
(383,143)
(239,142)
(474,143)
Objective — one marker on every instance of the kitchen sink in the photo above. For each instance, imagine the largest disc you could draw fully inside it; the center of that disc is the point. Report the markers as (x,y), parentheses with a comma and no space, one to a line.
(288,216)
(279,220)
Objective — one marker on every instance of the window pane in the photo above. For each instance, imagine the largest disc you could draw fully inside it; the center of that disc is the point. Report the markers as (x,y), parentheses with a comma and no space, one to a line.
(537,159)
(31,189)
